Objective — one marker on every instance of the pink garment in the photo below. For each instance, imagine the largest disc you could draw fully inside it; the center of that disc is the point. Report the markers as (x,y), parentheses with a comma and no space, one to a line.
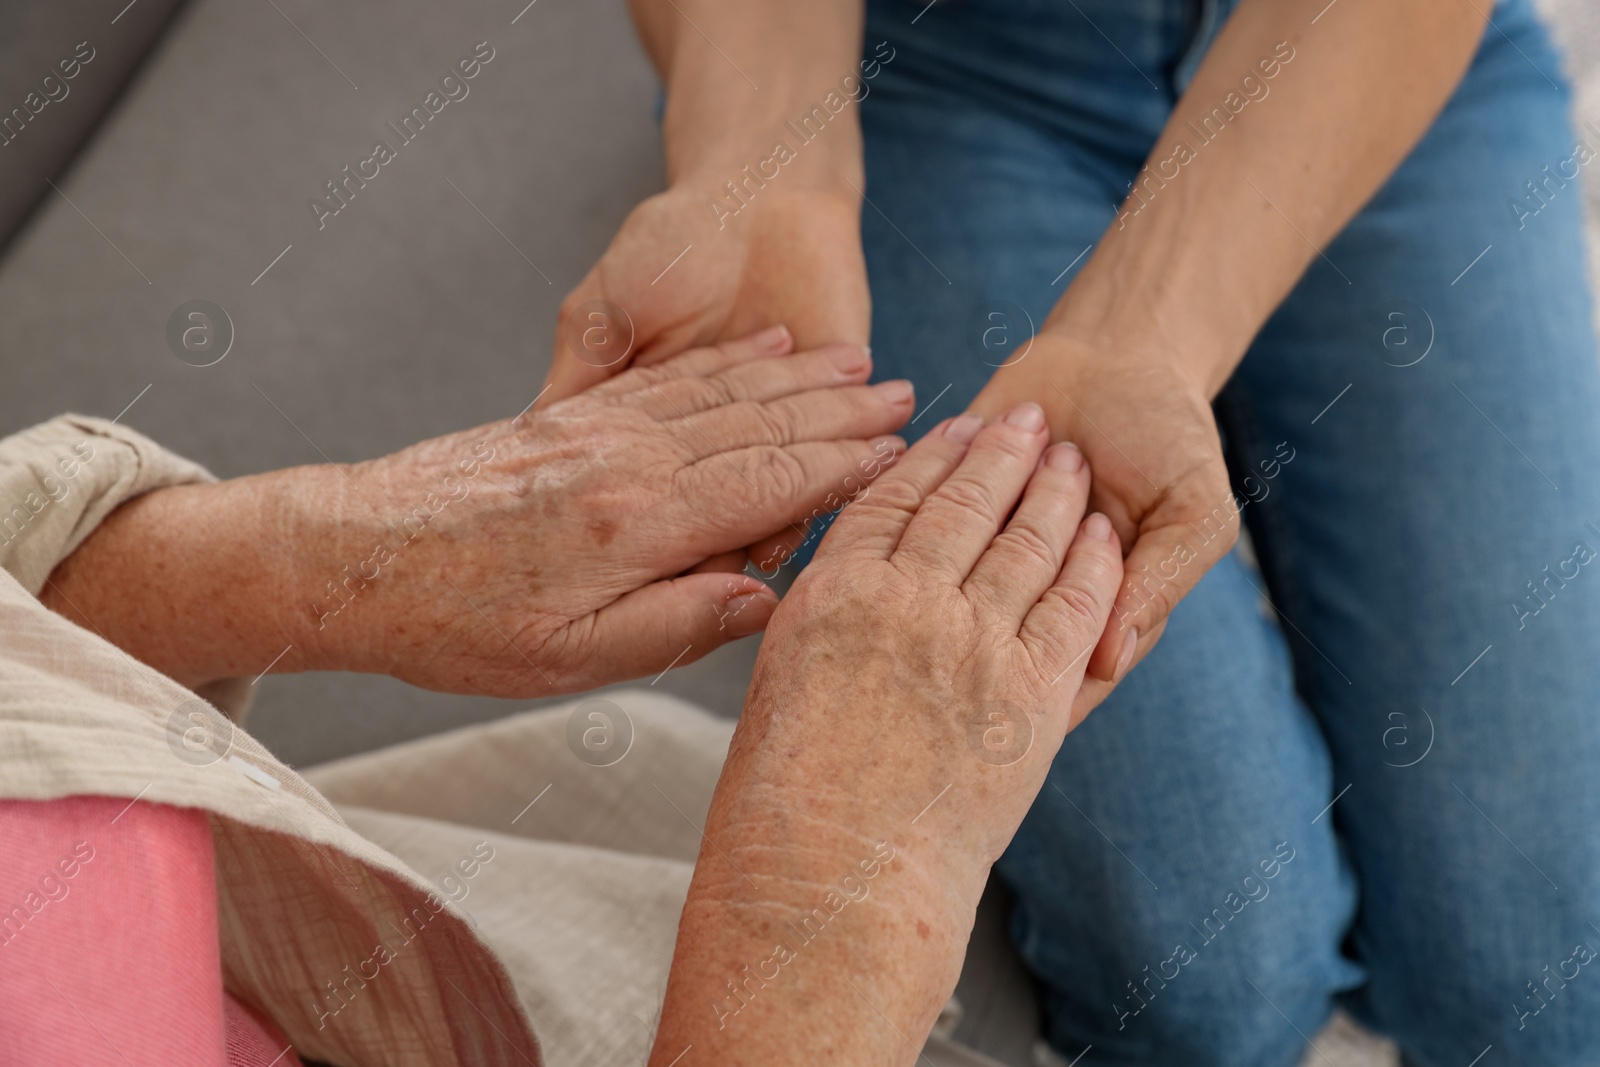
(108,941)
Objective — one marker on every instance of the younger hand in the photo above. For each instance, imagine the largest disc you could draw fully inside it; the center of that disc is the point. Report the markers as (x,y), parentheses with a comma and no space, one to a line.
(676,276)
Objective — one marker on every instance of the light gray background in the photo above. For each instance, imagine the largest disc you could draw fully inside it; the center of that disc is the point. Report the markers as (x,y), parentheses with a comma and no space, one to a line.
(409,315)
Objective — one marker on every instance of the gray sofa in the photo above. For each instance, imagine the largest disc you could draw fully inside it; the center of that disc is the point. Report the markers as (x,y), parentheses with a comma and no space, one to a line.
(182,161)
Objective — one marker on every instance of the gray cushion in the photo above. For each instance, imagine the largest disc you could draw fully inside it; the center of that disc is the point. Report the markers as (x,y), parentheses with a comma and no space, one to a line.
(62,67)
(405,315)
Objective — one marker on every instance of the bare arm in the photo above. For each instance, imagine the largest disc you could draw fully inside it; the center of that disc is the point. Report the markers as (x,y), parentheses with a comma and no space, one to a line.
(548,554)
(760,223)
(1195,263)
(1172,298)
(736,72)
(1222,222)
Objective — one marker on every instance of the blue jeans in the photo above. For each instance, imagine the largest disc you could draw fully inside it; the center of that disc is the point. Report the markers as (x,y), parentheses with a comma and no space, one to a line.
(1385,797)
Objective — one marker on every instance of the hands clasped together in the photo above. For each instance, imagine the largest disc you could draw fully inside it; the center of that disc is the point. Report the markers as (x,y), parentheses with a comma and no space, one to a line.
(931,657)
(604,538)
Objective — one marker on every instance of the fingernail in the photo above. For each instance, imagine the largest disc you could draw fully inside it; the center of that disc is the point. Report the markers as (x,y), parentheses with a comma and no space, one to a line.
(741,617)
(1029,416)
(1129,643)
(965,428)
(898,391)
(1065,457)
(848,358)
(1098,527)
(773,339)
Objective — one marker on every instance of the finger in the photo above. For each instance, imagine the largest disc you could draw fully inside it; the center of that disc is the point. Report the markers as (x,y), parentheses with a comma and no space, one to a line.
(871,527)
(722,563)
(1025,559)
(699,362)
(1065,625)
(756,382)
(770,554)
(1093,691)
(594,341)
(742,498)
(671,623)
(955,525)
(1192,528)
(816,415)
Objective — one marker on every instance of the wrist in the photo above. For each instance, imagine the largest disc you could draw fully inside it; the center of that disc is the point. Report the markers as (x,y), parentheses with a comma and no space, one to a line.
(321,529)
(189,580)
(788,914)
(748,159)
(802,128)
(1077,342)
(1133,301)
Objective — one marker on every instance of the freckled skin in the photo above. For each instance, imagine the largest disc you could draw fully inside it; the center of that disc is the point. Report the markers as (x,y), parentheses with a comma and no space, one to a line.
(852,769)
(555,552)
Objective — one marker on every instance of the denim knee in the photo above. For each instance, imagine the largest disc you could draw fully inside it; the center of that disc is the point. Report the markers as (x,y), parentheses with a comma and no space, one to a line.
(1235,988)
(1532,992)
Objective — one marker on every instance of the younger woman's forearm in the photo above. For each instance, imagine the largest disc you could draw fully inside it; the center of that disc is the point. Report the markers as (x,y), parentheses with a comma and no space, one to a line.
(736,73)
(1299,113)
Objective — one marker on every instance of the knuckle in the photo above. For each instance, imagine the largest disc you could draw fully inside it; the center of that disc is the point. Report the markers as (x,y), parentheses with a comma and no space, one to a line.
(1100,576)
(895,494)
(967,495)
(718,390)
(762,422)
(1078,602)
(779,475)
(1026,541)
(1013,442)
(823,591)
(1230,538)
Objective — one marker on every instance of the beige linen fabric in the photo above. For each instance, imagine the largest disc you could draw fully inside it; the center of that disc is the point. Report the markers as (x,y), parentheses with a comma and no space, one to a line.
(301,895)
(556,883)
(590,864)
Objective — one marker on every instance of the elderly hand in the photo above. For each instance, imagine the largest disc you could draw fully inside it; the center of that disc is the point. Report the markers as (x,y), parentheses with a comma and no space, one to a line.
(534,556)
(911,692)
(1159,475)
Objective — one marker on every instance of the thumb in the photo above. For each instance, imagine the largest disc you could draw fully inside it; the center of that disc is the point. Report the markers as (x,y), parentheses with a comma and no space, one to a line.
(1193,527)
(1093,692)
(596,338)
(670,623)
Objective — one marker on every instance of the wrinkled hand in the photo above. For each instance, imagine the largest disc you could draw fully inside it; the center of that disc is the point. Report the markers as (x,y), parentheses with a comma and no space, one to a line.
(550,553)
(909,696)
(934,641)
(1159,476)
(677,275)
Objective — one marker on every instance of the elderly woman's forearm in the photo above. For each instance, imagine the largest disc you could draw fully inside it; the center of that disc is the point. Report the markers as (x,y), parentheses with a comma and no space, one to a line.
(196,580)
(1298,114)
